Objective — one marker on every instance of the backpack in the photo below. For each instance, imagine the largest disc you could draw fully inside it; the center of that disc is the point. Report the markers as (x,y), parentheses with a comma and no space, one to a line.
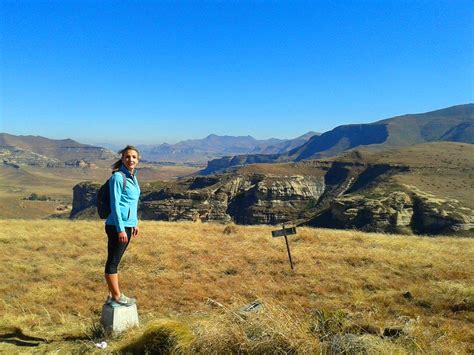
(103,198)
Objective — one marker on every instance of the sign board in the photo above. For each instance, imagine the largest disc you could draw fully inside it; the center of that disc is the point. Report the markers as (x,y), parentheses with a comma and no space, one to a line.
(283,232)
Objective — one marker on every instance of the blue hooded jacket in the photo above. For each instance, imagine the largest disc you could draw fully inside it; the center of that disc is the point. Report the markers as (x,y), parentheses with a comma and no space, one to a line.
(123,203)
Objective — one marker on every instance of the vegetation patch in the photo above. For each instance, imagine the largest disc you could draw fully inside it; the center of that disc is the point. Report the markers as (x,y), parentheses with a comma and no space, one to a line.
(161,336)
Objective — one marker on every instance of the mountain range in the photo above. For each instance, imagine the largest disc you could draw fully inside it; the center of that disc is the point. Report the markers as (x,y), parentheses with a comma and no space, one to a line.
(214,146)
(405,174)
(454,123)
(37,150)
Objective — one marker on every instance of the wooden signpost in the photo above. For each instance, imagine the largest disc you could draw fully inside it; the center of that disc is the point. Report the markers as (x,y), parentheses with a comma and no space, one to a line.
(284,232)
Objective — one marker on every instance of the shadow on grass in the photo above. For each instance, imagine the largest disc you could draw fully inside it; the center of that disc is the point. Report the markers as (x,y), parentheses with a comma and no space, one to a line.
(17,337)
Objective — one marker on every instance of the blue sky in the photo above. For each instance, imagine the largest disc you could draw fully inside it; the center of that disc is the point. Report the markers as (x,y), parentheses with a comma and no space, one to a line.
(163,71)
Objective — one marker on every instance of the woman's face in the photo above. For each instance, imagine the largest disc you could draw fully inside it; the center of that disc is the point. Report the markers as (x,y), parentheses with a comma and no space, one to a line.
(130,159)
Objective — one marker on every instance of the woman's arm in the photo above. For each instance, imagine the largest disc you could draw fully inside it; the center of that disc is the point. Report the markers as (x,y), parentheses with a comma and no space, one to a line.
(116,189)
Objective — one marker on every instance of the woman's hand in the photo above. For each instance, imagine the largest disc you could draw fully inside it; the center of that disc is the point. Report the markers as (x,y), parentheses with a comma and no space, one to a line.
(122,236)
(135,231)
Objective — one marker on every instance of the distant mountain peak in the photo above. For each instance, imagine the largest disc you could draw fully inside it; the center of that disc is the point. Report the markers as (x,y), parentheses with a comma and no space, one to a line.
(212,146)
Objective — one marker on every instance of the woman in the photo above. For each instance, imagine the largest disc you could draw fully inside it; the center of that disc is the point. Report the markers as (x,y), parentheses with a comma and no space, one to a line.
(122,223)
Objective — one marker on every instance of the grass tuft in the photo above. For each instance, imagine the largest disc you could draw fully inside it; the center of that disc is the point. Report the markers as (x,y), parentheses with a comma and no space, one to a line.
(163,336)
(230,229)
(95,331)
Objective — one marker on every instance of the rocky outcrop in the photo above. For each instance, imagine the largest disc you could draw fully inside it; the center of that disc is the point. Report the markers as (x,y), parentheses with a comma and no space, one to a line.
(338,194)
(79,163)
(17,157)
(398,212)
(245,199)
(84,200)
(433,215)
(276,199)
(390,214)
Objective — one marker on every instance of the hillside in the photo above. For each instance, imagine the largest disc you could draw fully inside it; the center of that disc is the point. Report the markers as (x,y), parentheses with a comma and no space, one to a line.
(454,123)
(37,150)
(350,290)
(286,145)
(421,189)
(443,169)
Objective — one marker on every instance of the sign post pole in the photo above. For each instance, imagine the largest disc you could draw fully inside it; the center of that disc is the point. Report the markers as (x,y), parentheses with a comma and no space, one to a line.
(284,233)
(288,248)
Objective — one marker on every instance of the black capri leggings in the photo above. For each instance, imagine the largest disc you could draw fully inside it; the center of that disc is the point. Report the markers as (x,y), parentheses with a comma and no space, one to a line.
(115,249)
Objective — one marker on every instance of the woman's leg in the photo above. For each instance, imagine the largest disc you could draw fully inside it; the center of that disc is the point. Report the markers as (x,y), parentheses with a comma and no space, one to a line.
(115,252)
(113,284)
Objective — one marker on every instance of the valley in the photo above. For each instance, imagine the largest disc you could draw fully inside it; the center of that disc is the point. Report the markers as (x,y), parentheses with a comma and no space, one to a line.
(422,189)
(18,183)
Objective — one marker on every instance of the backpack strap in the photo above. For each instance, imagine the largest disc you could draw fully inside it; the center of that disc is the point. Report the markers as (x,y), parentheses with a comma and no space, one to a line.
(124,180)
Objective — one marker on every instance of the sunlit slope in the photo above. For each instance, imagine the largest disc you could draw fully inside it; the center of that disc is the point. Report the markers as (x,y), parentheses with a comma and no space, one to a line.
(61,149)
(442,169)
(453,123)
(17,185)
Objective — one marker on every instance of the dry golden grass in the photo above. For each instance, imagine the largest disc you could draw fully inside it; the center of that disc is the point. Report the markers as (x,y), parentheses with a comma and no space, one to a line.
(192,279)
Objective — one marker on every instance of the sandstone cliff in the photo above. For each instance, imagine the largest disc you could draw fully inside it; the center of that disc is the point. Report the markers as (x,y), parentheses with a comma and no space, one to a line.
(245,199)
(272,199)
(359,190)
(399,212)
(84,200)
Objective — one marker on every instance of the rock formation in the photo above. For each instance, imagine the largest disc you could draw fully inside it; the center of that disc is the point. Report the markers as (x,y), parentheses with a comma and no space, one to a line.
(355,191)
(246,199)
(84,200)
(399,212)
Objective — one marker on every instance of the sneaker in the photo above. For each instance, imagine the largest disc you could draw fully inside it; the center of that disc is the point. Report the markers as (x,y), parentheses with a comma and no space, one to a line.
(123,301)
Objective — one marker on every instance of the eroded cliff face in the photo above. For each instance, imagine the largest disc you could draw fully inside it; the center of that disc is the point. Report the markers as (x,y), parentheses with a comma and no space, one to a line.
(348,195)
(402,212)
(84,200)
(383,214)
(434,215)
(245,199)
(276,199)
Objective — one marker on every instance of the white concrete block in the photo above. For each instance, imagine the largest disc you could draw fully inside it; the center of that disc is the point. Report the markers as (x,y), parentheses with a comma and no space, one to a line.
(117,319)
